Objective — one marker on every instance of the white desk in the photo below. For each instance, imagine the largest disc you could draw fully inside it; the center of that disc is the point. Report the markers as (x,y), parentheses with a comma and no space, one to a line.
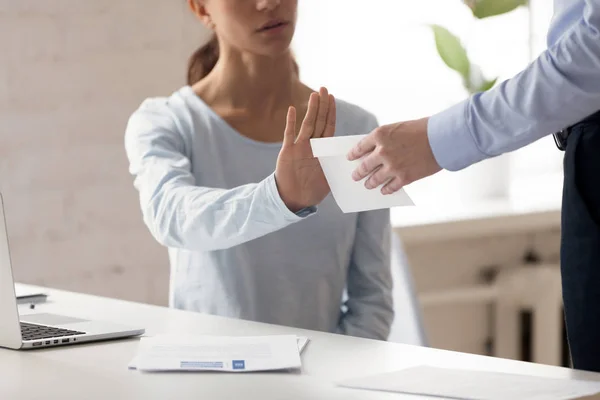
(99,371)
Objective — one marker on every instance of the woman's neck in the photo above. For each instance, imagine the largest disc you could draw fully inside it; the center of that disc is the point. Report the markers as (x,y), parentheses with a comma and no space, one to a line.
(256,84)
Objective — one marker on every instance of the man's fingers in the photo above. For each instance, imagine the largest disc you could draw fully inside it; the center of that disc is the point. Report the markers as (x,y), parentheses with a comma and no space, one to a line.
(331,118)
(290,127)
(364,146)
(322,114)
(392,186)
(308,125)
(379,177)
(366,167)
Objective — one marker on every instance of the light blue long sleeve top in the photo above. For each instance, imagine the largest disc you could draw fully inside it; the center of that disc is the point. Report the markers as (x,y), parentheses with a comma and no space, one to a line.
(208,194)
(558,89)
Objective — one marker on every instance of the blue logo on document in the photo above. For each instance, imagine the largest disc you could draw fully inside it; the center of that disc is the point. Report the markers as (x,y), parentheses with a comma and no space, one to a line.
(239,364)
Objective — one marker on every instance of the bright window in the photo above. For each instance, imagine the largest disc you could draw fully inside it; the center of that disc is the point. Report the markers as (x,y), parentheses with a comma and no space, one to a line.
(380,54)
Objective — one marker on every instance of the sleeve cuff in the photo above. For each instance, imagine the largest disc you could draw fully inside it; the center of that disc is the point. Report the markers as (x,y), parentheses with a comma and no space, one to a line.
(451,140)
(278,201)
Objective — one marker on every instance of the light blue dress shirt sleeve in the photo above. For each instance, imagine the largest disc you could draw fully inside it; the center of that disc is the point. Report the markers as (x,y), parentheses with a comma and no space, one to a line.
(370,305)
(180,214)
(558,89)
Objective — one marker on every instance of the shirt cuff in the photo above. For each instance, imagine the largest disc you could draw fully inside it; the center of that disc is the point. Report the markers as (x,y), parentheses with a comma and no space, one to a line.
(451,140)
(278,201)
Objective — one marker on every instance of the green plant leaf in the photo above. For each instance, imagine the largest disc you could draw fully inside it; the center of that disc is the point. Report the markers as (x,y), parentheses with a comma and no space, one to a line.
(487,85)
(451,51)
(489,8)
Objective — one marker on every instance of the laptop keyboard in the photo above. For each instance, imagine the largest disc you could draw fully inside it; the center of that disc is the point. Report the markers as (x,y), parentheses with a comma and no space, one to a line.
(35,332)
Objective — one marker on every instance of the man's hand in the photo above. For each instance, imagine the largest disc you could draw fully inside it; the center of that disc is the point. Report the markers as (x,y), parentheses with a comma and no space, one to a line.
(396,155)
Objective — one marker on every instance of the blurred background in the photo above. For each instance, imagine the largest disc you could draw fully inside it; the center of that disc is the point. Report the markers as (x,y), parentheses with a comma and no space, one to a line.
(478,270)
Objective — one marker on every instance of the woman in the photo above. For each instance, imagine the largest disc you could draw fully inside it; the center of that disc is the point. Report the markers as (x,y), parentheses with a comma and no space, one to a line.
(232,193)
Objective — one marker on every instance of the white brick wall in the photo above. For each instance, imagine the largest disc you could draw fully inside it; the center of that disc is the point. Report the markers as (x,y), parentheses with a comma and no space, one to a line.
(71,73)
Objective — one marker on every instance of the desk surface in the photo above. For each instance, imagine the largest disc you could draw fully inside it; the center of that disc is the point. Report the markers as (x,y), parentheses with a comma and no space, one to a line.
(99,370)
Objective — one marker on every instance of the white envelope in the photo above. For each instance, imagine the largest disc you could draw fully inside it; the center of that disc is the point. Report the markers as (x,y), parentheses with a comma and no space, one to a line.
(351,196)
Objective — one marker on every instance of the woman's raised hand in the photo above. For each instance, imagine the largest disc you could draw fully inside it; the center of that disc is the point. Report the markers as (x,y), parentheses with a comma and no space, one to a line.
(300,179)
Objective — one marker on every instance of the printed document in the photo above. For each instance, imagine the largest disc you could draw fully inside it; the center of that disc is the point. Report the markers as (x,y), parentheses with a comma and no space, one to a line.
(351,196)
(218,353)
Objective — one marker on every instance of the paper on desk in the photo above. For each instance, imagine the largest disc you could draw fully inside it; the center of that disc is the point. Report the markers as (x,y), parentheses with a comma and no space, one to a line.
(26,295)
(302,342)
(218,353)
(351,196)
(480,385)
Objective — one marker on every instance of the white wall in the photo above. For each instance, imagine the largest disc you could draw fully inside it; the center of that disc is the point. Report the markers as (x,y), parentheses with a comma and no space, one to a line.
(71,73)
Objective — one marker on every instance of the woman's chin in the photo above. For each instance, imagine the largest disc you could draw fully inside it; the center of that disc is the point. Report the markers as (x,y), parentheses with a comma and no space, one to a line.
(273,51)
(275,45)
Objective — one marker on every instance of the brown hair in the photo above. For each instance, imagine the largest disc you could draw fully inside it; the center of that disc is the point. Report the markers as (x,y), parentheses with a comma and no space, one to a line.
(203,60)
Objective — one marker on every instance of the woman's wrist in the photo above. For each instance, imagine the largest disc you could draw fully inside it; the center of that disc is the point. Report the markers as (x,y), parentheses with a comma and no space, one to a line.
(288,199)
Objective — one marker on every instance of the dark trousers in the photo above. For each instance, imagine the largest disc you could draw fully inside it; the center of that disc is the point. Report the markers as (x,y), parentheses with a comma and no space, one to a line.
(580,243)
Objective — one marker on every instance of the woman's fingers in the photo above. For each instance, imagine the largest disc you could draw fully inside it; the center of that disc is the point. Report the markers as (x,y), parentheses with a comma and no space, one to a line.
(331,117)
(308,125)
(290,128)
(322,114)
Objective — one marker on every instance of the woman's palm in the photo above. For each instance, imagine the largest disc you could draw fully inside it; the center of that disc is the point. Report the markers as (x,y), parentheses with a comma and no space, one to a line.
(299,176)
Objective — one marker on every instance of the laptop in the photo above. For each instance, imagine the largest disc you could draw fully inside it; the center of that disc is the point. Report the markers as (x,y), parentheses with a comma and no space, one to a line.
(43,330)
